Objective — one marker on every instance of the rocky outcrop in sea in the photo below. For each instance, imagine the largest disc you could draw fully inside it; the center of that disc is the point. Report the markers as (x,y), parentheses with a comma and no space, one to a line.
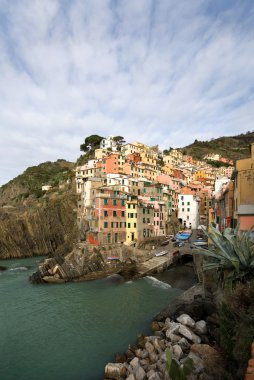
(185,337)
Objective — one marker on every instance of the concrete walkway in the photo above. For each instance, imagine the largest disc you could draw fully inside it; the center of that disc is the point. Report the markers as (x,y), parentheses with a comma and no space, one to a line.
(155,264)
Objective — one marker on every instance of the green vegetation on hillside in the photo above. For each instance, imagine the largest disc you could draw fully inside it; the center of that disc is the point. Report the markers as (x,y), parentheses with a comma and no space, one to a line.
(31,181)
(233,147)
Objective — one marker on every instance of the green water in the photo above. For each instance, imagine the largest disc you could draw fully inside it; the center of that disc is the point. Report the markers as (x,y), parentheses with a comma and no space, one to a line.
(70,331)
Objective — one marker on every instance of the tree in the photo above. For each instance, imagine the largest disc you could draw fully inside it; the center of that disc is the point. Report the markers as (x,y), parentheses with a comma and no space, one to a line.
(91,142)
(119,141)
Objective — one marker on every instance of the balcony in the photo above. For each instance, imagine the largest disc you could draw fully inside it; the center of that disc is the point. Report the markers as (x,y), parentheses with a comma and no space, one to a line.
(111,196)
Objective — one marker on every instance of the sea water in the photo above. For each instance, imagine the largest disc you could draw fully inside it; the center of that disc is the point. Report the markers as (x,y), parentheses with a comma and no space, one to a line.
(70,331)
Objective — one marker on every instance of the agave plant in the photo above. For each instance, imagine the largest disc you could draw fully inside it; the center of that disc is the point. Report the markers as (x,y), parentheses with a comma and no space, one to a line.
(232,254)
(175,370)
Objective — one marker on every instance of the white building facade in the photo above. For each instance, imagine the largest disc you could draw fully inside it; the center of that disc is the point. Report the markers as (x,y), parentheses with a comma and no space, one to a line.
(188,210)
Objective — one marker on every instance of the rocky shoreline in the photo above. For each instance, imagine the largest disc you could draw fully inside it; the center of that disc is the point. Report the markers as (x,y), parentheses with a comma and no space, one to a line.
(187,327)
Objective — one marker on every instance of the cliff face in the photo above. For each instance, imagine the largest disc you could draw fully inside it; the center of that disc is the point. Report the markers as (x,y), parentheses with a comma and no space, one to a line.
(33,222)
(41,228)
(45,228)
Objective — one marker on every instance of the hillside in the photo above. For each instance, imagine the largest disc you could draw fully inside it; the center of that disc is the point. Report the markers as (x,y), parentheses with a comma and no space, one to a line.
(232,147)
(33,222)
(27,186)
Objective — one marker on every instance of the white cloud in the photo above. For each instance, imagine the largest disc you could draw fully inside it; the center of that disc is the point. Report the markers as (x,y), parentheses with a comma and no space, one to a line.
(160,72)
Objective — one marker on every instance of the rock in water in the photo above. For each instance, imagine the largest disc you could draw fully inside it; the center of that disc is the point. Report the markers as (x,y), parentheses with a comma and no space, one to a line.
(115,370)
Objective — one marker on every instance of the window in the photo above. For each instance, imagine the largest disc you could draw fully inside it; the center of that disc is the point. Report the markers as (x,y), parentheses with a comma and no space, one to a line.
(182,197)
(188,210)
(116,237)
(122,213)
(182,209)
(120,224)
(129,225)
(182,203)
(114,213)
(122,202)
(105,224)
(116,224)
(144,210)
(188,217)
(129,206)
(109,238)
(133,206)
(188,203)
(135,225)
(148,220)
(105,213)
(114,202)
(112,224)
(148,211)
(144,220)
(105,201)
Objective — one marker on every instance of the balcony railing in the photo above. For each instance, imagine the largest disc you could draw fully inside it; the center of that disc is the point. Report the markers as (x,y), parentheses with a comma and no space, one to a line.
(111,196)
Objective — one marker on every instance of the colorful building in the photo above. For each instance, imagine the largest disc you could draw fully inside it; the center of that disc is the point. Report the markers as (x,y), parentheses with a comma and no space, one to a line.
(244,192)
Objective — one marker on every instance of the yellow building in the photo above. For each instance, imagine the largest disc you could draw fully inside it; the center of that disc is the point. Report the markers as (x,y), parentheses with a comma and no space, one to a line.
(131,213)
(139,220)
(149,157)
(244,192)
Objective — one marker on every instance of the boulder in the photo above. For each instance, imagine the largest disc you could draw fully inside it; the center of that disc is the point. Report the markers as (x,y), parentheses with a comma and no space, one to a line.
(153,357)
(155,326)
(200,327)
(184,344)
(134,363)
(155,376)
(211,358)
(129,354)
(187,333)
(150,373)
(198,363)
(159,334)
(139,353)
(157,345)
(140,373)
(173,337)
(173,328)
(115,371)
(186,320)
(130,377)
(161,366)
(149,347)
(144,362)
(177,352)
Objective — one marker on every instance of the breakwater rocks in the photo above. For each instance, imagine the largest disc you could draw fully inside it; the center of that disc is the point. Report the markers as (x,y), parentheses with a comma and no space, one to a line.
(188,327)
(184,337)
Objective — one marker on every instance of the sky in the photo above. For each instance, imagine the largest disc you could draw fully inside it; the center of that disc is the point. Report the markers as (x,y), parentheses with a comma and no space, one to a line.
(161,72)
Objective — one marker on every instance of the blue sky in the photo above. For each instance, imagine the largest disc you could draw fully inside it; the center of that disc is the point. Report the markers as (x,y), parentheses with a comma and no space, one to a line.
(161,72)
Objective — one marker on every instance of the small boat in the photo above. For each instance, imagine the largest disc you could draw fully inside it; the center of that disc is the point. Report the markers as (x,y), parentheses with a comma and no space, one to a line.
(162,253)
(200,243)
(183,236)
